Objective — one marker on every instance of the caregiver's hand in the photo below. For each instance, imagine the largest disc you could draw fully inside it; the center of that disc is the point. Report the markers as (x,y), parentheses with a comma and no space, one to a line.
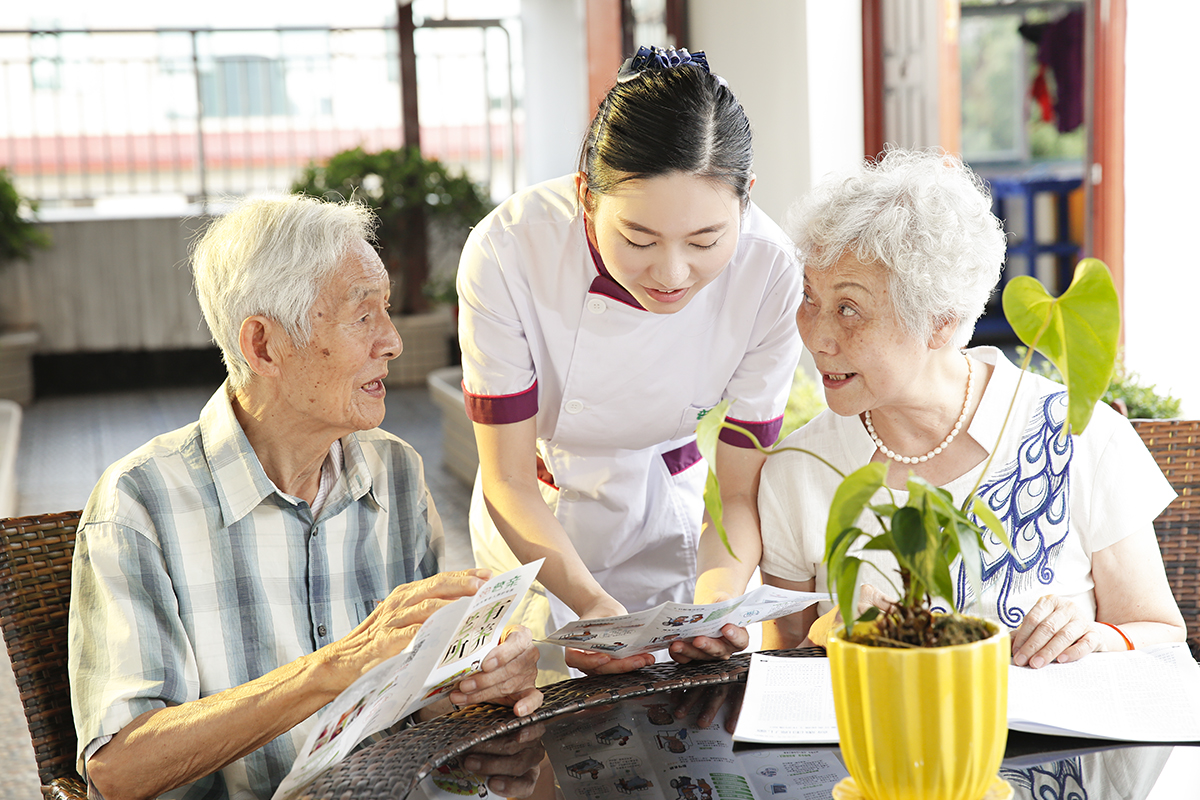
(710,700)
(594,663)
(708,648)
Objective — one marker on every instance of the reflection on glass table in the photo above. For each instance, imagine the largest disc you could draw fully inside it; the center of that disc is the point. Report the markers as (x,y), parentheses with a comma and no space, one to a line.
(616,737)
(659,757)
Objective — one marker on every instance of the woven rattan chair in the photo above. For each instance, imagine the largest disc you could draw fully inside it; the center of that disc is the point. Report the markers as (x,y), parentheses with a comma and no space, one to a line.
(1175,445)
(35,591)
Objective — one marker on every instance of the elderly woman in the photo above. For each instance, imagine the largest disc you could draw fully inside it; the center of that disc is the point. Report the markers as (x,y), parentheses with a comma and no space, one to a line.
(899,260)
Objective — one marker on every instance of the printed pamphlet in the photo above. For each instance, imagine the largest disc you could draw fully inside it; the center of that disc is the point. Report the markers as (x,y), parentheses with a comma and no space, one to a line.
(655,628)
(449,647)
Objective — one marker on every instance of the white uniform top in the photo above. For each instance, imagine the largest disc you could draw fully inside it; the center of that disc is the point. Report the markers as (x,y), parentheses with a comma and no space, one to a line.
(617,390)
(1060,500)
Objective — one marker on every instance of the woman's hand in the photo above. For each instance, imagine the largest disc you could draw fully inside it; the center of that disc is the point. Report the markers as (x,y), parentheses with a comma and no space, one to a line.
(1056,629)
(707,648)
(594,663)
(507,675)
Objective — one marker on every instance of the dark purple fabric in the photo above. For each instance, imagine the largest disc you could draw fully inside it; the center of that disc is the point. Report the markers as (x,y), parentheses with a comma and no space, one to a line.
(1061,49)
(766,432)
(681,458)
(501,409)
(605,284)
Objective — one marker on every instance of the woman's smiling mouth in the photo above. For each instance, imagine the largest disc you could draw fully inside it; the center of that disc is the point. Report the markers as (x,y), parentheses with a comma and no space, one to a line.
(666,297)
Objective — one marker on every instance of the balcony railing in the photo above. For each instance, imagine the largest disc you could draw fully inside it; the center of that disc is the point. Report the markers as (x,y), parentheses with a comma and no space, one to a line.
(116,119)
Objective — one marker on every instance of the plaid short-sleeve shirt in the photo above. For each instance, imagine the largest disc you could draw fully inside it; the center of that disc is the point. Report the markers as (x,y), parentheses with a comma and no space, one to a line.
(194,574)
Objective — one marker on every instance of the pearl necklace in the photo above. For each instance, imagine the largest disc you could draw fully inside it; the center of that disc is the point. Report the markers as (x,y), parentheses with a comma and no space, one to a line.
(945,442)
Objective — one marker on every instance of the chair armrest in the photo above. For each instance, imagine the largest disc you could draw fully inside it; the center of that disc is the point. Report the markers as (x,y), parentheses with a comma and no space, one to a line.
(65,789)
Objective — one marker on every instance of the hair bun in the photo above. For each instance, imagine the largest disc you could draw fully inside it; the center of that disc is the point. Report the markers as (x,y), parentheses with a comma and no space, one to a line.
(659,58)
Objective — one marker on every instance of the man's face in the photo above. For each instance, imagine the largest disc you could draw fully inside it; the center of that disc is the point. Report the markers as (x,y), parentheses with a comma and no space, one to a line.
(336,380)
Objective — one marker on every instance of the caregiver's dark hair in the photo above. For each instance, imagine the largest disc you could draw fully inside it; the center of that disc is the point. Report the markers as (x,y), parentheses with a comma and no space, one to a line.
(668,113)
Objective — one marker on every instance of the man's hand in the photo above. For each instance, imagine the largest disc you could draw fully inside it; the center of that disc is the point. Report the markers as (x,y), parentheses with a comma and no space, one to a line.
(510,764)
(395,621)
(507,675)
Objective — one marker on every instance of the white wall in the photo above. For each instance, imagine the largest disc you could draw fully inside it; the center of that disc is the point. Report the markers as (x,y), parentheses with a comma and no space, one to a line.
(557,112)
(1162,264)
(797,68)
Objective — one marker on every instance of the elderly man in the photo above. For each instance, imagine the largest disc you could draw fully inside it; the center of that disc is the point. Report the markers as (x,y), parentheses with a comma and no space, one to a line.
(232,577)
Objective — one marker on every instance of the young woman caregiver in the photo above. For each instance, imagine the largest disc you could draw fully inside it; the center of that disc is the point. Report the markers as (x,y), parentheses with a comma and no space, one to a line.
(601,314)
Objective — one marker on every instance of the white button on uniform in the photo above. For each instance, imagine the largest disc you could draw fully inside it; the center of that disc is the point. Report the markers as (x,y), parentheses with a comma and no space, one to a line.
(596,305)
(574,406)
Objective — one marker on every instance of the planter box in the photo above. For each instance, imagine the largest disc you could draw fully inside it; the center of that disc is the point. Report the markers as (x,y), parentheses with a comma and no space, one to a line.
(16,365)
(427,339)
(458,436)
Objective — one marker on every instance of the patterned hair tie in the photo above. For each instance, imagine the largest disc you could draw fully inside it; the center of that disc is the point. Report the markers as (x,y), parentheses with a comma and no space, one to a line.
(659,58)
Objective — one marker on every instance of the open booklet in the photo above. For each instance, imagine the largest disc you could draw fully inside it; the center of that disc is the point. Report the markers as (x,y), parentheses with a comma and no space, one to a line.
(448,647)
(1147,695)
(655,628)
(637,747)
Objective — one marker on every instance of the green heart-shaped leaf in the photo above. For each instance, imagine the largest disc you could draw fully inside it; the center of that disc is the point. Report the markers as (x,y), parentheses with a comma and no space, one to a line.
(716,509)
(708,429)
(1077,331)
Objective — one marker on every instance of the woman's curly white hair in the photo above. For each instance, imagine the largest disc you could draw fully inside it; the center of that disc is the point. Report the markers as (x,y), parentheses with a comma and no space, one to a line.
(924,217)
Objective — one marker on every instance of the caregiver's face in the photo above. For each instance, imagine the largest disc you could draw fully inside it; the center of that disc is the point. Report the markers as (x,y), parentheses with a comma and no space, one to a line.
(664,238)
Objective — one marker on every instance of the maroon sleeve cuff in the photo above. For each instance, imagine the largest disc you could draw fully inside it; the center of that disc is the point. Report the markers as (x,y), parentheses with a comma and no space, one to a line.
(501,409)
(766,432)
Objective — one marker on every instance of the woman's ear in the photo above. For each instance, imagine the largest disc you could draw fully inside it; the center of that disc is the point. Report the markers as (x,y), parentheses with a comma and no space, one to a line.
(943,332)
(584,193)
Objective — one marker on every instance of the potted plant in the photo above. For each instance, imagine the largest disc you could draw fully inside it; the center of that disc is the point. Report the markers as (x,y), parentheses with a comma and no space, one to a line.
(20,236)
(921,698)
(424,210)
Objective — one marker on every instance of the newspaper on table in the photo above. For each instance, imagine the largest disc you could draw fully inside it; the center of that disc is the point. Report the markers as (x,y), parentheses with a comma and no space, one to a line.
(448,648)
(655,628)
(639,748)
(1146,695)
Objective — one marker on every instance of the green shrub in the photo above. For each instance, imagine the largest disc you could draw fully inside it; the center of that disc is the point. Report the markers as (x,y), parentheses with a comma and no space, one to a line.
(19,234)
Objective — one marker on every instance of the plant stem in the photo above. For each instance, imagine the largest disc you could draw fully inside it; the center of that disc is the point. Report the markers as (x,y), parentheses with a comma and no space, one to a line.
(1008,413)
(771,451)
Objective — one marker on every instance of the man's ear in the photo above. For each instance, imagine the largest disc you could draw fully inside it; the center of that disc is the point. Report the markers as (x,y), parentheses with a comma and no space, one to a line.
(259,339)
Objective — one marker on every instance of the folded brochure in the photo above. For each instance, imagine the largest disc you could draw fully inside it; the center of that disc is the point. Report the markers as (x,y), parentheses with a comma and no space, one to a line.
(655,628)
(448,647)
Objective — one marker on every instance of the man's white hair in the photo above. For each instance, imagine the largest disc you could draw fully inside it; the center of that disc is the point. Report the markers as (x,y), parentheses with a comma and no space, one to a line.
(271,257)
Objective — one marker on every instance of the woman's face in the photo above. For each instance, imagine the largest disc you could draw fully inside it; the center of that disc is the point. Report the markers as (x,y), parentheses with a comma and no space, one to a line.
(866,358)
(664,238)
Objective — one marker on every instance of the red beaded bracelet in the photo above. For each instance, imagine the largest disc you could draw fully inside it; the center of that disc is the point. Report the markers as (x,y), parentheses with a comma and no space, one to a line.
(1128,644)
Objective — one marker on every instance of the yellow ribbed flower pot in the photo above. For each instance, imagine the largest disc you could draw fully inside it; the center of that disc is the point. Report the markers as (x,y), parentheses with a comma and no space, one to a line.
(921,723)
